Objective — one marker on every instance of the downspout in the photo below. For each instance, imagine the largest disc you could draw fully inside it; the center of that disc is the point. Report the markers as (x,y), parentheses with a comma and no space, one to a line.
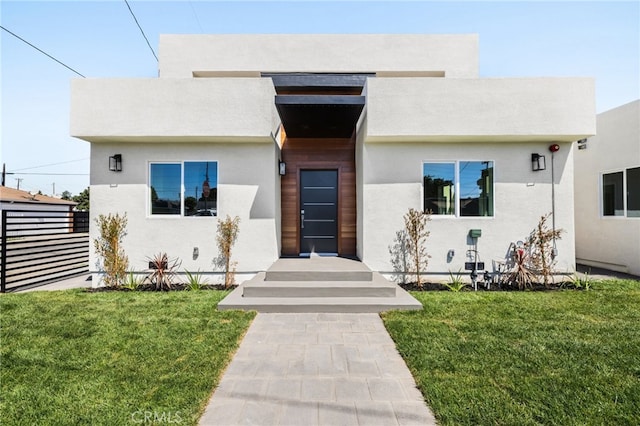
(553,148)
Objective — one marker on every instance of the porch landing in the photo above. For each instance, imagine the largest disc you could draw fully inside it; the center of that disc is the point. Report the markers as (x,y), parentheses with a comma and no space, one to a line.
(319,284)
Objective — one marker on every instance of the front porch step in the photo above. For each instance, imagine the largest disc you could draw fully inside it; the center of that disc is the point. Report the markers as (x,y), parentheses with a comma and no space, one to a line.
(319,285)
(401,301)
(378,286)
(318,269)
(318,276)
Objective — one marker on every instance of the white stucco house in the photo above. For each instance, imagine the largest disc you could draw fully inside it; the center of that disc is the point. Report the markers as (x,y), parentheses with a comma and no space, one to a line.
(321,143)
(607,183)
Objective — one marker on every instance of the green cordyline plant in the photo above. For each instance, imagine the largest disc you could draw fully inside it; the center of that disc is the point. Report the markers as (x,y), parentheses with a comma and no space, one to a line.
(195,281)
(108,246)
(226,237)
(415,223)
(455,283)
(133,281)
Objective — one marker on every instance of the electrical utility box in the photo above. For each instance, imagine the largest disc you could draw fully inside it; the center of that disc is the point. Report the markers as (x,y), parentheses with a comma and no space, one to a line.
(475,233)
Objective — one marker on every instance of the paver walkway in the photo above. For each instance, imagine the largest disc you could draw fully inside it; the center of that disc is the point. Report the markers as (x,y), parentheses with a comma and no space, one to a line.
(317,369)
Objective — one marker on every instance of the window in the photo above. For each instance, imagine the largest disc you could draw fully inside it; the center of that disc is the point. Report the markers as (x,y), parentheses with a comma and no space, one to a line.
(633,192)
(612,194)
(186,189)
(463,188)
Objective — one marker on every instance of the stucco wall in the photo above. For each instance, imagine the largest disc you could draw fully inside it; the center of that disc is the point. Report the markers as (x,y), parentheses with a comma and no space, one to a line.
(607,241)
(171,110)
(491,110)
(182,55)
(393,184)
(248,187)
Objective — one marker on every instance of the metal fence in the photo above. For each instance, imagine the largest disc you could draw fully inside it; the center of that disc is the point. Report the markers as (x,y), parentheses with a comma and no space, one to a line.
(38,247)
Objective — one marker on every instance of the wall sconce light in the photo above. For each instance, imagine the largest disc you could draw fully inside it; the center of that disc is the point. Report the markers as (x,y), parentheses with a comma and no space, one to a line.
(582,144)
(282,168)
(538,162)
(115,163)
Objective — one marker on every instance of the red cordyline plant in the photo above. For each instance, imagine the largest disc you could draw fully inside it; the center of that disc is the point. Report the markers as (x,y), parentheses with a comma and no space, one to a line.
(163,271)
(534,261)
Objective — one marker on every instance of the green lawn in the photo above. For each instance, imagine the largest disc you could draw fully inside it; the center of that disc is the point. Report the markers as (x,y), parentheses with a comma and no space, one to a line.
(524,358)
(114,357)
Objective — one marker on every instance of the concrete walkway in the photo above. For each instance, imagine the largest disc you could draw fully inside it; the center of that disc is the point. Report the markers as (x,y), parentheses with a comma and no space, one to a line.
(317,369)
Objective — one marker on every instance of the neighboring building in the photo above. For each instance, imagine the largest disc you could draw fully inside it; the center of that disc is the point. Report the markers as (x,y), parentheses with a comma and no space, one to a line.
(607,200)
(363,127)
(13,199)
(24,204)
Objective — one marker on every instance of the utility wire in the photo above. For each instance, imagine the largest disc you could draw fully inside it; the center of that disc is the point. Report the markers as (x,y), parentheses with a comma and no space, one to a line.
(196,15)
(143,34)
(41,51)
(51,174)
(51,164)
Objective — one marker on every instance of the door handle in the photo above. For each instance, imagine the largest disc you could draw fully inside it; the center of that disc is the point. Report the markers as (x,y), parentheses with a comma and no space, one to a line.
(302,219)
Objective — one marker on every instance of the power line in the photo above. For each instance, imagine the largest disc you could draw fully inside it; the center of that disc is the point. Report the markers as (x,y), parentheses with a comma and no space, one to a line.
(51,174)
(42,51)
(51,164)
(143,34)
(196,15)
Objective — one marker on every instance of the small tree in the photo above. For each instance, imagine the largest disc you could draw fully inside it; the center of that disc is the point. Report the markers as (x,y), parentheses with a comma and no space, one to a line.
(415,223)
(226,237)
(542,250)
(108,247)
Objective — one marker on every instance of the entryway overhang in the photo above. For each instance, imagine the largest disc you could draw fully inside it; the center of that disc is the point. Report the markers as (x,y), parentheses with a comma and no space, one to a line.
(319,116)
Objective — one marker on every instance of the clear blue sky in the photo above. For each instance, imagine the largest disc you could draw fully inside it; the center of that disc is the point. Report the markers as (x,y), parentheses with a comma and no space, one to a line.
(100,39)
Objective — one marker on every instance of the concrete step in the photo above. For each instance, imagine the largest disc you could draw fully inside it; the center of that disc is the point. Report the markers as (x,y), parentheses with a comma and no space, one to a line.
(377,287)
(318,269)
(401,301)
(319,285)
(318,276)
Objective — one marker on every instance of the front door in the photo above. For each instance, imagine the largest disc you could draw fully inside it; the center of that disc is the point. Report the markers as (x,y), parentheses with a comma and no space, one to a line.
(319,211)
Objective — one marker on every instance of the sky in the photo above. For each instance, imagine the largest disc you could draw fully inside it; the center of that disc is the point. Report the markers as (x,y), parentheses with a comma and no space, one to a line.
(100,39)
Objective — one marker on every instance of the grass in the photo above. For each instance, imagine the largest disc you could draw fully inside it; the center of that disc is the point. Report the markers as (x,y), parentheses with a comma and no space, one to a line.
(526,358)
(114,357)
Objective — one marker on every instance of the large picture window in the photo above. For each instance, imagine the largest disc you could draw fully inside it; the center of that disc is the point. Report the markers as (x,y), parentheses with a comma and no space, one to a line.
(621,193)
(186,189)
(463,188)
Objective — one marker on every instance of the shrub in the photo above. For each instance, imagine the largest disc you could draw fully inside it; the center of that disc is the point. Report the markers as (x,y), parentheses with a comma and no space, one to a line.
(226,237)
(108,246)
(163,271)
(542,252)
(415,223)
(133,281)
(534,261)
(195,281)
(455,283)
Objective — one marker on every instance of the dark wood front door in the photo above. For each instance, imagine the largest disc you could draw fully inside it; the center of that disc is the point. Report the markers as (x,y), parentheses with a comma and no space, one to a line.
(318,211)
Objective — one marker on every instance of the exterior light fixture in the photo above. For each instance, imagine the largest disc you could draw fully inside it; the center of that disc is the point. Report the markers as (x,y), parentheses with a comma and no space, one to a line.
(538,162)
(115,163)
(282,168)
(554,147)
(582,144)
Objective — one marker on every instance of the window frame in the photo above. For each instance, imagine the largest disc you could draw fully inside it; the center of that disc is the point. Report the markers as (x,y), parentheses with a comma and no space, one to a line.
(457,188)
(182,214)
(625,194)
